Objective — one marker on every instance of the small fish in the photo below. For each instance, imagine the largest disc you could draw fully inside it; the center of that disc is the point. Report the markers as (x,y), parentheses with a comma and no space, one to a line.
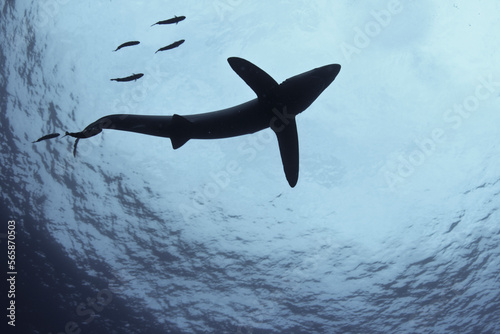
(52,135)
(132,43)
(172,20)
(130,78)
(171,46)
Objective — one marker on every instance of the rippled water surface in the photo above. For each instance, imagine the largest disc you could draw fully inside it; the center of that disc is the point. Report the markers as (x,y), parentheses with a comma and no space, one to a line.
(393,226)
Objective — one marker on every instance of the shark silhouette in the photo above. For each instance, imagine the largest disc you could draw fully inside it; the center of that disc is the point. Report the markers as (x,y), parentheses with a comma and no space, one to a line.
(276,106)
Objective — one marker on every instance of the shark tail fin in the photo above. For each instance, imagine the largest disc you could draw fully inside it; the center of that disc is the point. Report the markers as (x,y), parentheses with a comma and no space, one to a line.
(181,131)
(74,146)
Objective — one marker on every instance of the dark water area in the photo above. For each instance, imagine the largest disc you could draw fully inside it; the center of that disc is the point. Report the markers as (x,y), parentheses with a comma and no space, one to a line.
(53,295)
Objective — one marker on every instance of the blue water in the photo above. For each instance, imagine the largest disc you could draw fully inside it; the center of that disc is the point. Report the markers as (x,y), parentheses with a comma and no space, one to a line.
(393,226)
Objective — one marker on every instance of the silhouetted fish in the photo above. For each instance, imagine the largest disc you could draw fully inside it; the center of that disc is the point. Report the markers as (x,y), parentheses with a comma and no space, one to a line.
(130,78)
(132,43)
(171,46)
(52,135)
(175,20)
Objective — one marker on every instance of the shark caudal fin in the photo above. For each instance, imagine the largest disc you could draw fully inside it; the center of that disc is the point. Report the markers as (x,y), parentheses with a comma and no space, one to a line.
(181,131)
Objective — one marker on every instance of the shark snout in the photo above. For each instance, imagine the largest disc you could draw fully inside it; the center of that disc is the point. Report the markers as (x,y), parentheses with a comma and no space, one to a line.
(326,74)
(318,79)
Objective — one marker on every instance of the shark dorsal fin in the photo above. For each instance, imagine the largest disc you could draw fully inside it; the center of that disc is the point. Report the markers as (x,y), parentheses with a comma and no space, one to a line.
(181,129)
(261,82)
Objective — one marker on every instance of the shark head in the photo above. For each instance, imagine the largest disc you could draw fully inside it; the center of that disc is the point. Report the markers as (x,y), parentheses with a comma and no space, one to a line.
(300,91)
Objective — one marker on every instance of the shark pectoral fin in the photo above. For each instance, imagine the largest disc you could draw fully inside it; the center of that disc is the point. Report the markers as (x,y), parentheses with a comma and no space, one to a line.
(288,141)
(260,82)
(181,131)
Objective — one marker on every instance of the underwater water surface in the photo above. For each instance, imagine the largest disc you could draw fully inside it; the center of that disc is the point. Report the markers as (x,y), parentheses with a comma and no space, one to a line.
(393,226)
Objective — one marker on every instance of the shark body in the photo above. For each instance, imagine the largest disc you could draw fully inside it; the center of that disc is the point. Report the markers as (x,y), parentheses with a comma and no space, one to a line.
(276,106)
